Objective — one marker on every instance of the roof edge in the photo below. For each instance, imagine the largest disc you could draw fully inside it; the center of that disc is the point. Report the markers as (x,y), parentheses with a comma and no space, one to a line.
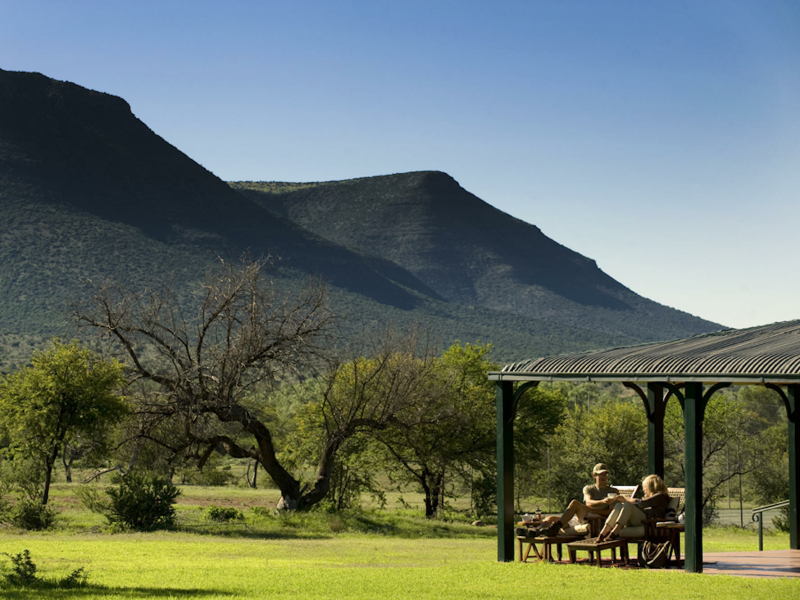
(647,378)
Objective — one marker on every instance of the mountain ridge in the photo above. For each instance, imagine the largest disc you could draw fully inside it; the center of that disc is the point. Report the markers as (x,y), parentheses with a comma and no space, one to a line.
(88,191)
(467,250)
(87,150)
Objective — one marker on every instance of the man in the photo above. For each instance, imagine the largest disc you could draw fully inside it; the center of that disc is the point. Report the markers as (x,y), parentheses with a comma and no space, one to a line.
(598,499)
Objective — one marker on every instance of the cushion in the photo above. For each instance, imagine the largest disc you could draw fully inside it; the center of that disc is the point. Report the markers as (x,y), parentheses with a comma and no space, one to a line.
(632,532)
(672,508)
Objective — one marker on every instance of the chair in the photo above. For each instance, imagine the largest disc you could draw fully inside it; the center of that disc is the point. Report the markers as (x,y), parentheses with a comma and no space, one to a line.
(660,530)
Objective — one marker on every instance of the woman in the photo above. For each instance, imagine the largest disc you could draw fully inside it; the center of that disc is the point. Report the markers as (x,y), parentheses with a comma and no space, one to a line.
(633,511)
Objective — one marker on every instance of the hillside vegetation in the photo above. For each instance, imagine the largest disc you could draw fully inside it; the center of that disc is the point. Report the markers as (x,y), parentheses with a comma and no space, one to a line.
(89,194)
(469,252)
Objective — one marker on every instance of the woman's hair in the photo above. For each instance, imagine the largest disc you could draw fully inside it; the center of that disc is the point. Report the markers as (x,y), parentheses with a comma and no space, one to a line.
(653,484)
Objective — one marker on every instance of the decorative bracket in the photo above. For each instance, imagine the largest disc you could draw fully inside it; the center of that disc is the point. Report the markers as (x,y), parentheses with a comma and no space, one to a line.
(674,390)
(632,386)
(520,391)
(711,391)
(778,390)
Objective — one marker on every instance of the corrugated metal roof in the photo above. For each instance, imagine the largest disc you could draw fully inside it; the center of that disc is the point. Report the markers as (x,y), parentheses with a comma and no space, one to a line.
(770,353)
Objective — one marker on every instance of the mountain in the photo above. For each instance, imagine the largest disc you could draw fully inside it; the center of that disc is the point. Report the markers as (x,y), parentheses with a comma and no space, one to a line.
(85,151)
(471,253)
(89,193)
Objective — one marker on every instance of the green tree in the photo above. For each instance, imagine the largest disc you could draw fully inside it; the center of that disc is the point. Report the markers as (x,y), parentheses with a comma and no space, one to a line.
(731,434)
(366,396)
(770,481)
(447,431)
(444,427)
(66,393)
(614,433)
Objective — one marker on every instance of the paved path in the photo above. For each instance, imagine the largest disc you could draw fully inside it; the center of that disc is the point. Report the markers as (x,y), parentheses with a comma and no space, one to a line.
(773,563)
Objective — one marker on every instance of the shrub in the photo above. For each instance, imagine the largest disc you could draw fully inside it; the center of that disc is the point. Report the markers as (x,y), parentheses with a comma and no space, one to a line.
(216,477)
(212,474)
(710,512)
(781,521)
(224,513)
(93,500)
(29,514)
(484,496)
(23,574)
(262,511)
(142,502)
(23,569)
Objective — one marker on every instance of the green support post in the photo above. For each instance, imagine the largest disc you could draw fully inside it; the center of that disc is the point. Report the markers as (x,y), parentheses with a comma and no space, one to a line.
(693,410)
(794,480)
(655,429)
(505,471)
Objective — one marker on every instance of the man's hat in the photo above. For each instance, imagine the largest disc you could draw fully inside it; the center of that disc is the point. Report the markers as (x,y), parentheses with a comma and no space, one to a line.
(599,468)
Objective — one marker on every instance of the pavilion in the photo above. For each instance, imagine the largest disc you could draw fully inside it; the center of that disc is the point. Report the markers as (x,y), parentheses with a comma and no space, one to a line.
(690,370)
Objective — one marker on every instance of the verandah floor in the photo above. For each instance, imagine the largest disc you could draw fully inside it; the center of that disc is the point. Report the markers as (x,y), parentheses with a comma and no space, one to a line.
(772,563)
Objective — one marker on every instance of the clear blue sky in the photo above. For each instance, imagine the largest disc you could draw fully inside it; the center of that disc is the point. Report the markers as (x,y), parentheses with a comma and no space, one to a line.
(661,139)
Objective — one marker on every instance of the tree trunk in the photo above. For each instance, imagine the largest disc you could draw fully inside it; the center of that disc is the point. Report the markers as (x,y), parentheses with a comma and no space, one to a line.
(430,508)
(67,464)
(48,472)
(288,485)
(432,488)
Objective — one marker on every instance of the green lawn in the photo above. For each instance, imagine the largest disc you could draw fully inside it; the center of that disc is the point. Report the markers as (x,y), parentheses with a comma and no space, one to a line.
(372,554)
(181,565)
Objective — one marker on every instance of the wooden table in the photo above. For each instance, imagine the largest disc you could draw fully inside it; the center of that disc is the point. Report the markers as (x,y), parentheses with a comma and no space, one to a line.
(592,546)
(547,543)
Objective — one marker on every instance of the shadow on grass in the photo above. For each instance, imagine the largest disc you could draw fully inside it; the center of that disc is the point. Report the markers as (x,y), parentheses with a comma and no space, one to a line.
(89,591)
(349,523)
(239,530)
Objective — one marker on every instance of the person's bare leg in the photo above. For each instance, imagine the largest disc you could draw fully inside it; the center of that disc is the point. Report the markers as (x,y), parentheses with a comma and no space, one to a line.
(575,508)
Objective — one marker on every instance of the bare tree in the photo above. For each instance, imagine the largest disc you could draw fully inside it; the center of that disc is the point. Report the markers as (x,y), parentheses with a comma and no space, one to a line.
(202,368)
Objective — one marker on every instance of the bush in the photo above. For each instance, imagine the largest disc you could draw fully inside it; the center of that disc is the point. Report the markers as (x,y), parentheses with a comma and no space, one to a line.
(142,502)
(93,500)
(23,574)
(262,511)
(484,496)
(29,514)
(216,477)
(23,569)
(223,513)
(781,521)
(212,474)
(710,512)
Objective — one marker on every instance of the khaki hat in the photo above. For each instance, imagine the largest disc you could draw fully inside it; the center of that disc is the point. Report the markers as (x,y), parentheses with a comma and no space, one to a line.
(599,468)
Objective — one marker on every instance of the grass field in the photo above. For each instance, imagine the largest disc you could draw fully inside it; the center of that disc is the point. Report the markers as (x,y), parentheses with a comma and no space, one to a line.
(180,565)
(370,554)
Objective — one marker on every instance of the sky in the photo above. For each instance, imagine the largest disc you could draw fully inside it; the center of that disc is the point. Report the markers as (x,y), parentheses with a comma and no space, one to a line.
(660,138)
